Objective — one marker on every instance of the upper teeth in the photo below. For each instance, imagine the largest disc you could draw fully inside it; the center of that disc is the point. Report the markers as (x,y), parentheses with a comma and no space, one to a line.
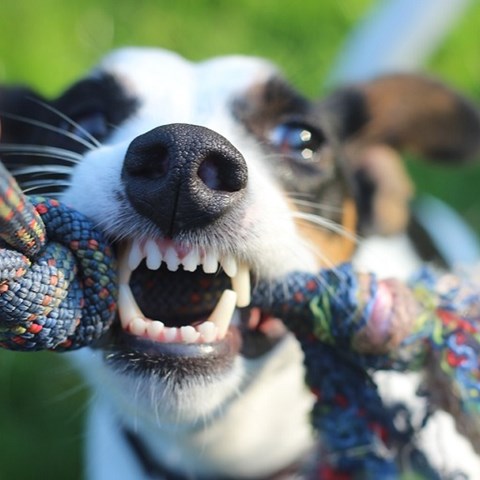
(156,252)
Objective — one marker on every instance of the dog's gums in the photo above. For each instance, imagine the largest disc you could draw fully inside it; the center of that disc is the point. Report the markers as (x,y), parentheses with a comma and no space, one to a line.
(214,327)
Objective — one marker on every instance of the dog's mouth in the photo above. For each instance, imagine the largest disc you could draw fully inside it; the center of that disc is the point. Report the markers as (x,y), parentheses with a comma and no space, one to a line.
(177,300)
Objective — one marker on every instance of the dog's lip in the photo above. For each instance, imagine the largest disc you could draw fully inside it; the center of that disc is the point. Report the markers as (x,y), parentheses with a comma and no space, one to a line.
(133,354)
(209,329)
(228,346)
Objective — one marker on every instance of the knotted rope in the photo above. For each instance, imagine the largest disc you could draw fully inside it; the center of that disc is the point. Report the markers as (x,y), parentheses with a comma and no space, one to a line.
(58,278)
(351,324)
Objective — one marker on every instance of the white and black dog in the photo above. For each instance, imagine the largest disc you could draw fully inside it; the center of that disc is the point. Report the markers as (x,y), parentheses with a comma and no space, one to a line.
(209,177)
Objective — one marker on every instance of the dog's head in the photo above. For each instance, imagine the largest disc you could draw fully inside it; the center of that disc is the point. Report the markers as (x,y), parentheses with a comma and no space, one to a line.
(209,177)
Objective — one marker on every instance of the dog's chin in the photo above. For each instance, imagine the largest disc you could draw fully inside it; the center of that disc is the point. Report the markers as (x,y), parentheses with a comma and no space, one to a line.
(180,332)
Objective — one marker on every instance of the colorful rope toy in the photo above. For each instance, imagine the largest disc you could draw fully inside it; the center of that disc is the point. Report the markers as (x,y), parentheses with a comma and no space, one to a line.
(58,289)
(58,277)
(350,325)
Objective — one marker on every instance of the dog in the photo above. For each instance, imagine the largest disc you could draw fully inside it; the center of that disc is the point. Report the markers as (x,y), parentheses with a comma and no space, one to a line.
(208,177)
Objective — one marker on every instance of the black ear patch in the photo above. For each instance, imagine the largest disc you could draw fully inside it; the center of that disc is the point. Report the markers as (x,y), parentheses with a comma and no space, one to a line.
(18,104)
(42,140)
(345,112)
(92,99)
(27,118)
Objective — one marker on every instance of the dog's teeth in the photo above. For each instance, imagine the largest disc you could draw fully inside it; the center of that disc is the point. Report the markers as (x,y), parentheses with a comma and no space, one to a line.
(171,259)
(208,331)
(138,326)
(135,256)
(210,262)
(223,312)
(229,265)
(170,334)
(241,285)
(124,271)
(155,329)
(127,306)
(189,334)
(154,255)
(191,260)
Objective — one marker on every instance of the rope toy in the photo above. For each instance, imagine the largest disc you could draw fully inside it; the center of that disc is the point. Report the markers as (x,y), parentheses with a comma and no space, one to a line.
(58,277)
(58,289)
(351,324)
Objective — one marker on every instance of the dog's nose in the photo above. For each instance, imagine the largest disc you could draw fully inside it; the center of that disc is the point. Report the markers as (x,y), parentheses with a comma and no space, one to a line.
(182,176)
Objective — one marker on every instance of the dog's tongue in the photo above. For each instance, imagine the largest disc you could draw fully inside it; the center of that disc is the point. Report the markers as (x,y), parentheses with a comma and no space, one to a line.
(176,297)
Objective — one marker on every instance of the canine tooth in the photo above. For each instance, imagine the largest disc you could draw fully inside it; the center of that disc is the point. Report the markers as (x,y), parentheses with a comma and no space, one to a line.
(124,271)
(154,255)
(170,334)
(171,259)
(138,326)
(127,306)
(191,260)
(229,265)
(189,334)
(223,312)
(241,285)
(208,331)
(135,256)
(154,329)
(210,262)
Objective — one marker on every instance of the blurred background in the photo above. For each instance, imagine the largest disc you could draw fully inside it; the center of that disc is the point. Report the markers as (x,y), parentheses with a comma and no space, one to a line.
(50,43)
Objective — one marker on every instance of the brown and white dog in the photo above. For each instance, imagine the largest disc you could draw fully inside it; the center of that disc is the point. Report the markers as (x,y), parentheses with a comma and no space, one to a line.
(208,177)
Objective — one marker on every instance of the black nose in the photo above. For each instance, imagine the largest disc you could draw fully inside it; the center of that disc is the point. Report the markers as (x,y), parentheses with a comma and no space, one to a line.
(182,176)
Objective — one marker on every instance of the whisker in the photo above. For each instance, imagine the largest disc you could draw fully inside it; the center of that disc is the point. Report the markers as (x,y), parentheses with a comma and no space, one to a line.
(299,195)
(316,205)
(40,170)
(327,224)
(315,250)
(46,126)
(30,187)
(40,151)
(94,141)
(40,155)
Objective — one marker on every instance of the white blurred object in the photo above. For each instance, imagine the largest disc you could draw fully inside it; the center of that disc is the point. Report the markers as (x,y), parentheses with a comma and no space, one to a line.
(397,35)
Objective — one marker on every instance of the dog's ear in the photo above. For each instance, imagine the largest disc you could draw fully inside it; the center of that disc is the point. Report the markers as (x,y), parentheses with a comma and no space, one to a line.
(20,108)
(377,120)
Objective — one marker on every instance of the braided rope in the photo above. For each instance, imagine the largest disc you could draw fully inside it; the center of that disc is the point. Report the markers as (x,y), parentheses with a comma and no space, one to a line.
(58,278)
(350,324)
(20,224)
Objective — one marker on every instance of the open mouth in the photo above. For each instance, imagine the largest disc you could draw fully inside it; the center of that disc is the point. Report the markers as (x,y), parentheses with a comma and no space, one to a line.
(176,295)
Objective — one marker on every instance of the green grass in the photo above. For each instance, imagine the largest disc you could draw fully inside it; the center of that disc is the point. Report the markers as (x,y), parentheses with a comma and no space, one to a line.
(48,44)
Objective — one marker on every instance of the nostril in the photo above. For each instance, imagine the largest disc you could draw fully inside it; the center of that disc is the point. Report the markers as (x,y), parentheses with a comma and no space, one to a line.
(221,174)
(150,162)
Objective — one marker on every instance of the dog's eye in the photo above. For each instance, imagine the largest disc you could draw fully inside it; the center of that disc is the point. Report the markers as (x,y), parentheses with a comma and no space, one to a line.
(297,140)
(86,125)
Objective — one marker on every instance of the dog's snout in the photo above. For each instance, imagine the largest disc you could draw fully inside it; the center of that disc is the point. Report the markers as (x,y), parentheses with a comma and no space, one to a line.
(183,176)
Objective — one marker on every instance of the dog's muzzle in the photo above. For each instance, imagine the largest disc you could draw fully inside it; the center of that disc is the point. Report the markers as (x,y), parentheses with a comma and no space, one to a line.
(178,297)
